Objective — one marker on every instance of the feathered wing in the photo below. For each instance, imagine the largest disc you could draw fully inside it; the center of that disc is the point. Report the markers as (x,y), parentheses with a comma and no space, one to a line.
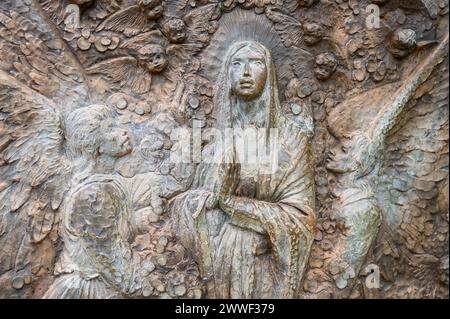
(198,22)
(175,7)
(130,21)
(124,71)
(428,6)
(34,177)
(289,29)
(412,181)
(40,79)
(291,5)
(54,8)
(33,52)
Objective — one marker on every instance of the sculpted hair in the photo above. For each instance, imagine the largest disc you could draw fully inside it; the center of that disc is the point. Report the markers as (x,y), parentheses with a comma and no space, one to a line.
(365,154)
(84,129)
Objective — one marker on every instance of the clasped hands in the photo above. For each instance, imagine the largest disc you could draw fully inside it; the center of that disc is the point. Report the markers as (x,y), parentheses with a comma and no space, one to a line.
(229,178)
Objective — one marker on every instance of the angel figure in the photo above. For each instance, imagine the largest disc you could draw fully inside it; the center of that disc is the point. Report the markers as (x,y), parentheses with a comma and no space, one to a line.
(194,26)
(57,164)
(135,69)
(98,220)
(151,53)
(357,161)
(250,229)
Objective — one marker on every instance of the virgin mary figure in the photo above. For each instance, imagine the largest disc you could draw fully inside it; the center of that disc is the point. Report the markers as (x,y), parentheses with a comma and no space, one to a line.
(249,228)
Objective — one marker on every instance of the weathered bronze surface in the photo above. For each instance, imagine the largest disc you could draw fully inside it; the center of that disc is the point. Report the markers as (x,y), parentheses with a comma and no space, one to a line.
(224,149)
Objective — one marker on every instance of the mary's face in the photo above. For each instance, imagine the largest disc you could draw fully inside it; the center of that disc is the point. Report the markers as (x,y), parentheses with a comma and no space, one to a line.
(248,73)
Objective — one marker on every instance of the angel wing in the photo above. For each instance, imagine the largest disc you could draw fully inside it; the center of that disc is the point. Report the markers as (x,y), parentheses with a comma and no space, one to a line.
(175,7)
(414,174)
(291,5)
(198,23)
(125,71)
(289,29)
(34,175)
(429,6)
(130,21)
(40,78)
(141,40)
(35,55)
(56,9)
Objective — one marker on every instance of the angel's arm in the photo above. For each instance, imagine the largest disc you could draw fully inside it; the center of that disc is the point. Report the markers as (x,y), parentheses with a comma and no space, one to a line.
(388,115)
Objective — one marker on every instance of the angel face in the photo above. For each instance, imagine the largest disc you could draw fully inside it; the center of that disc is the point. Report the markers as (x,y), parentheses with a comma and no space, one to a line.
(115,141)
(351,155)
(326,65)
(313,33)
(92,130)
(154,56)
(340,158)
(402,43)
(175,30)
(248,73)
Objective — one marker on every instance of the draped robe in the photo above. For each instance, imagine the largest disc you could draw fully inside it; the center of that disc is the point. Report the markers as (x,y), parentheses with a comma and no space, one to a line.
(262,249)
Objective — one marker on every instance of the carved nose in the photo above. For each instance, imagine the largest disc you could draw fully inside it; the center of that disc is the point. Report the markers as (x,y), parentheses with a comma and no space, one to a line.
(246,70)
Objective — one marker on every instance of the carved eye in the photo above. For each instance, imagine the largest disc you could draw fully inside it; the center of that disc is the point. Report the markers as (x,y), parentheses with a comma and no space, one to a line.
(344,149)
(155,57)
(236,63)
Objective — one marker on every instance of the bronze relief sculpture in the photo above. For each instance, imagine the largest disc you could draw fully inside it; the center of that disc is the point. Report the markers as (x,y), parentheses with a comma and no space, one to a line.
(313,135)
